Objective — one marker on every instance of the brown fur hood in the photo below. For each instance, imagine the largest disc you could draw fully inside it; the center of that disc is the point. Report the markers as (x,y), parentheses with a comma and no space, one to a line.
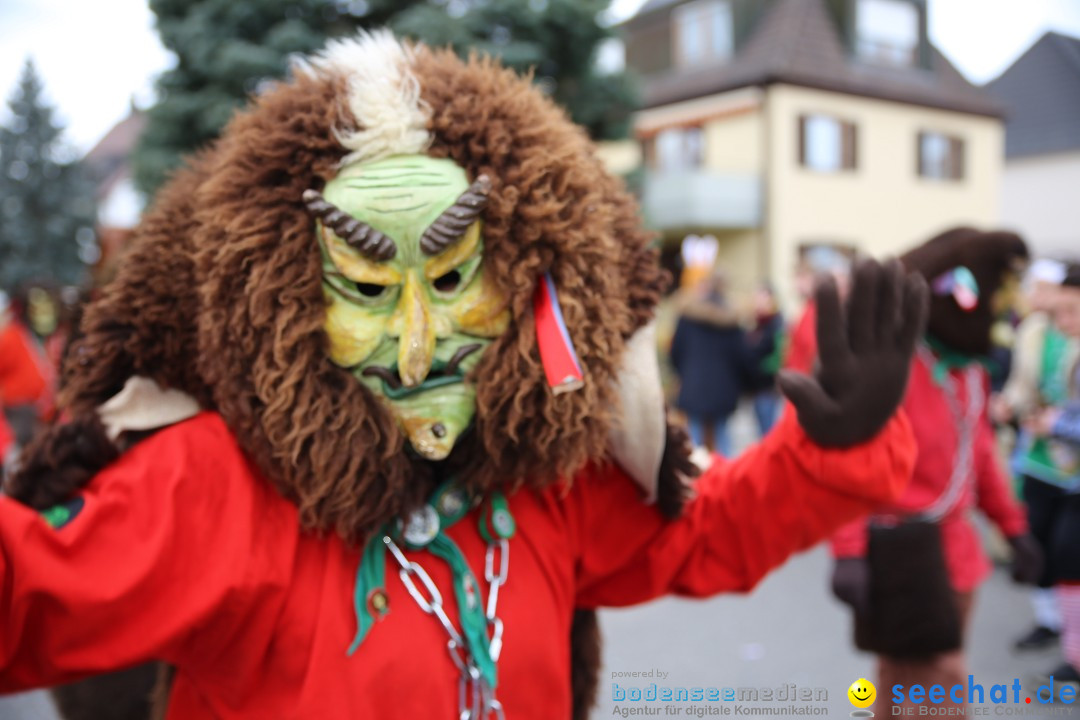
(220,295)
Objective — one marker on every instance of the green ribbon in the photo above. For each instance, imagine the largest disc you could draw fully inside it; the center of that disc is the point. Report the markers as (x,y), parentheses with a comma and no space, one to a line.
(369,593)
(470,607)
(370,579)
(946,360)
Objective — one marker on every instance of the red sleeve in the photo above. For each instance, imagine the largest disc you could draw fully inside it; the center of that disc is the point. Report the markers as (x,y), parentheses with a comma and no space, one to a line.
(156,564)
(994,496)
(748,516)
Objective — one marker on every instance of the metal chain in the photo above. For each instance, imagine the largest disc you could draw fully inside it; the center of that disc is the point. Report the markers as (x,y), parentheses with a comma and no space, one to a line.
(476,699)
(496,581)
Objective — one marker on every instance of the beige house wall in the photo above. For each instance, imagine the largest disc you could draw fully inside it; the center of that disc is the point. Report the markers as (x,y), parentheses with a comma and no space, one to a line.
(882,207)
(619,156)
(738,260)
(734,143)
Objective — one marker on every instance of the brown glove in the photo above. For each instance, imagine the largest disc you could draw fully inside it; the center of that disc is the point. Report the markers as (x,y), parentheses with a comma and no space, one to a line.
(864,355)
(1027,559)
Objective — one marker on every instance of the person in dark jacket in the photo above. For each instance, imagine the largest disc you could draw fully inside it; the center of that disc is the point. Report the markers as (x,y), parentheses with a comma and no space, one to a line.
(765,345)
(710,356)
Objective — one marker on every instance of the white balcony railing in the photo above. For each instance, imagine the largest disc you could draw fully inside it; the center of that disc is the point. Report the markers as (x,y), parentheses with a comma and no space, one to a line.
(702,199)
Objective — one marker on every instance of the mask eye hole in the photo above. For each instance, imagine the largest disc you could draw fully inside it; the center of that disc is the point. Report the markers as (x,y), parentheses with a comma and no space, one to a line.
(370,290)
(448,282)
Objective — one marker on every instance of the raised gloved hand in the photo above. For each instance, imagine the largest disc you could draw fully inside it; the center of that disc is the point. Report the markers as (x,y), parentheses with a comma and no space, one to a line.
(864,355)
(1027,559)
(851,582)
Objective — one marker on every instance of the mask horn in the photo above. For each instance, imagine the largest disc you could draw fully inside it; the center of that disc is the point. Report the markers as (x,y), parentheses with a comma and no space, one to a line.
(358,235)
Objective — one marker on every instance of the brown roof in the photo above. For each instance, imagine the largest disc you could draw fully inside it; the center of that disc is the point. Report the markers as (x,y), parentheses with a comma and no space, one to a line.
(799,43)
(108,161)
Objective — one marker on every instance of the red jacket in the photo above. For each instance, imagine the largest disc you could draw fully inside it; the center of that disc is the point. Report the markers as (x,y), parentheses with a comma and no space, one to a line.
(985,486)
(181,551)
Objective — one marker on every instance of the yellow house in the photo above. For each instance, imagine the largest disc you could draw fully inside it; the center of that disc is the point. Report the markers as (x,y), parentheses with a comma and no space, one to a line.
(780,126)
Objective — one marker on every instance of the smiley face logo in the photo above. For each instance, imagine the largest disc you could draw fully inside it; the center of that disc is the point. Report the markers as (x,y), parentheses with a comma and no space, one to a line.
(862,693)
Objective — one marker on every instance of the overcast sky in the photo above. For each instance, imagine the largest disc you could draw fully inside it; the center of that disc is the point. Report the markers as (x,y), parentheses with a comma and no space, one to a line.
(96,55)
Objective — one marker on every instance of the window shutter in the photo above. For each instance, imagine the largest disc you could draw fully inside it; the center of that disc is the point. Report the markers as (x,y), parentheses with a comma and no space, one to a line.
(920,140)
(956,158)
(849,160)
(802,140)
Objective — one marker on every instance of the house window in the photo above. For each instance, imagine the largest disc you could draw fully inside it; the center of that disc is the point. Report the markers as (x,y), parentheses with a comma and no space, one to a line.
(941,156)
(703,32)
(887,32)
(826,143)
(676,149)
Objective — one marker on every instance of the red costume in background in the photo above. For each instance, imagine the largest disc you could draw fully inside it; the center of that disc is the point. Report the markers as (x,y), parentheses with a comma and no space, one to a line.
(25,385)
(209,569)
(986,488)
(802,347)
(24,376)
(6,436)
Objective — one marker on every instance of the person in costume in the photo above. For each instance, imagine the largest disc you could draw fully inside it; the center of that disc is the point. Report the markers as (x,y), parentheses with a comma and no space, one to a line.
(801,347)
(910,570)
(369,421)
(25,390)
(1056,427)
(1039,379)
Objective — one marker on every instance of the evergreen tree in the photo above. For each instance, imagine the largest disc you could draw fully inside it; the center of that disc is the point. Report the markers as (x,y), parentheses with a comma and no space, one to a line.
(46,204)
(227,49)
(556,39)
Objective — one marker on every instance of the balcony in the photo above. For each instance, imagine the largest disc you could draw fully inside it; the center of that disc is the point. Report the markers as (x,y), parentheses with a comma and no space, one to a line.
(702,199)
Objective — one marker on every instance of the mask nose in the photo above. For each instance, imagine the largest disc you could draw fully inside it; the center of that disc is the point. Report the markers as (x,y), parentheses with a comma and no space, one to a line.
(416,333)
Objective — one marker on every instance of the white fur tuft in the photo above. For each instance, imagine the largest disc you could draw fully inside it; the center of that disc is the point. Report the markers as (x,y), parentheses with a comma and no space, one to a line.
(384,95)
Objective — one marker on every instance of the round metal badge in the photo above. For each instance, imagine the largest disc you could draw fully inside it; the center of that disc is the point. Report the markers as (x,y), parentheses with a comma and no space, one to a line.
(421,527)
(503,522)
(452,503)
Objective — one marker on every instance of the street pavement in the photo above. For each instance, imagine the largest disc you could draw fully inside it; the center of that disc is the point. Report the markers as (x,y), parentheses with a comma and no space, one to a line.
(791,630)
(787,630)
